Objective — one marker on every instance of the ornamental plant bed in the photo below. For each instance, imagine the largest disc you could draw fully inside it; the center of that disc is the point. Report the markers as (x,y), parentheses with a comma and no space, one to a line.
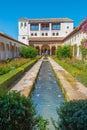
(77,71)
(7,79)
(72,116)
(6,67)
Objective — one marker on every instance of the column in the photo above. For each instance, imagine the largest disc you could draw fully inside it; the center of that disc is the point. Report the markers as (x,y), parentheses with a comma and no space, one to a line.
(50,25)
(29,29)
(40,50)
(39,29)
(78,52)
(50,29)
(4,51)
(50,50)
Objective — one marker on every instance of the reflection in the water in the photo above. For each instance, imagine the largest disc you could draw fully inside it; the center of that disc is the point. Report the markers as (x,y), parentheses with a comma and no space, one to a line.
(47,95)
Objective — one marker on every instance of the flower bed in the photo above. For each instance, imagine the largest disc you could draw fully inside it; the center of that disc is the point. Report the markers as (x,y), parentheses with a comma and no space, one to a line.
(77,69)
(7,67)
(11,76)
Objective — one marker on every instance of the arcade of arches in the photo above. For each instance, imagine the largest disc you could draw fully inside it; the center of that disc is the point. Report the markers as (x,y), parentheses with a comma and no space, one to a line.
(46,49)
(8,50)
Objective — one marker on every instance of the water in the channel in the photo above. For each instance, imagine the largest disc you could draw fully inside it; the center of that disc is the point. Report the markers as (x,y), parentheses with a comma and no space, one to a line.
(47,95)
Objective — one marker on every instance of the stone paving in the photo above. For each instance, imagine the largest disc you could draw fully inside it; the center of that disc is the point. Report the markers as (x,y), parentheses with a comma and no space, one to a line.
(73,89)
(25,85)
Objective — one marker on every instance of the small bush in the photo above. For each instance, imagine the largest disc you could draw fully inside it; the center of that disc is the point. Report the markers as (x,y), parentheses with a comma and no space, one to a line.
(17,112)
(72,116)
(64,52)
(28,52)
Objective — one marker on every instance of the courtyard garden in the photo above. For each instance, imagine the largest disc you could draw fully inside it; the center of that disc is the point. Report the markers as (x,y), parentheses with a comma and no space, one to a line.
(18,112)
(77,68)
(10,70)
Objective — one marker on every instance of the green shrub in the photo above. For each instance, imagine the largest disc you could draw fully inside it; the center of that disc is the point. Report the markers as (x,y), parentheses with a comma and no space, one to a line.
(72,116)
(13,64)
(83,49)
(64,52)
(17,112)
(28,52)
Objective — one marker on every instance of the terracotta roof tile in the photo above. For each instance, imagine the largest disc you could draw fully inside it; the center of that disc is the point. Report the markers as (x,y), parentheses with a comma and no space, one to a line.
(10,38)
(45,20)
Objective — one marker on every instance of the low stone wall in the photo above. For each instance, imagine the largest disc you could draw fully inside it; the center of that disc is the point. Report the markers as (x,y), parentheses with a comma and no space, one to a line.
(72,89)
(25,85)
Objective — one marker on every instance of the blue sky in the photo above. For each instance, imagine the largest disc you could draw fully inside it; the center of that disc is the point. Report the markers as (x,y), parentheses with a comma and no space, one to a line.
(12,10)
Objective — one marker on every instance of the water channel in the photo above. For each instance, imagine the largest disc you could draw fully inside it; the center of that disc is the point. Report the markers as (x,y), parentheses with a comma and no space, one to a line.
(47,95)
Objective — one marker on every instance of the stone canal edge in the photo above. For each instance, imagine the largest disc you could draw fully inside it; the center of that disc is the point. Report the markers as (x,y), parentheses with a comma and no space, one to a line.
(72,89)
(26,83)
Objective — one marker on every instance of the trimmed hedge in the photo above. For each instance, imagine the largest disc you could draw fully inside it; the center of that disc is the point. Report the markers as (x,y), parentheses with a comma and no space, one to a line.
(72,116)
(17,112)
(7,79)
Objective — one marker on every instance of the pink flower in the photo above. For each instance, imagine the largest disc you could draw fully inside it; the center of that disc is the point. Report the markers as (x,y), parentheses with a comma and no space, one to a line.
(85,44)
(84,26)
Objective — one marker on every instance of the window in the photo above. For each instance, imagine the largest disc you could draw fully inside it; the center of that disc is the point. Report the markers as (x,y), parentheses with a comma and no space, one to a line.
(44,26)
(23,37)
(35,34)
(46,34)
(56,26)
(21,24)
(67,27)
(31,34)
(42,34)
(34,27)
(53,34)
(57,34)
(25,25)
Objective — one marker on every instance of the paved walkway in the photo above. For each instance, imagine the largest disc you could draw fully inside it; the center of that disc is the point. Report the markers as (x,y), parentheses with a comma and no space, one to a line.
(73,89)
(26,83)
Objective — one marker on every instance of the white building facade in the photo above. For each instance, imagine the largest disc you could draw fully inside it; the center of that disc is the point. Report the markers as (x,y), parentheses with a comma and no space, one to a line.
(74,39)
(59,27)
(9,47)
(44,34)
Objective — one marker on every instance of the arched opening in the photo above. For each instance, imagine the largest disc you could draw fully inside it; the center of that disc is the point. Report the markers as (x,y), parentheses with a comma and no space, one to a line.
(7,47)
(7,50)
(12,50)
(53,50)
(45,50)
(1,46)
(2,51)
(38,49)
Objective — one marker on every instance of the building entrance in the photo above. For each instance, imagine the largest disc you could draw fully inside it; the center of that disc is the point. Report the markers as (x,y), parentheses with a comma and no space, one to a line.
(45,50)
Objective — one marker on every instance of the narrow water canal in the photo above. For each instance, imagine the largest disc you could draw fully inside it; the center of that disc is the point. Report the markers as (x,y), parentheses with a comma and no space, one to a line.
(47,95)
